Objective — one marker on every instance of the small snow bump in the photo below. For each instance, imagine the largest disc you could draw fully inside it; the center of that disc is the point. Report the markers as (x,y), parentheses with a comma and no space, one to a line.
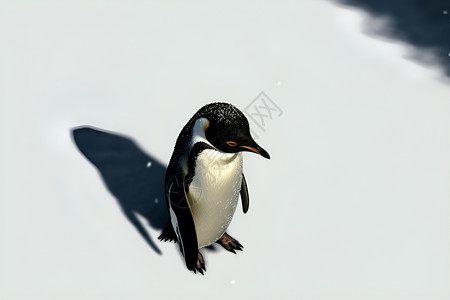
(233,281)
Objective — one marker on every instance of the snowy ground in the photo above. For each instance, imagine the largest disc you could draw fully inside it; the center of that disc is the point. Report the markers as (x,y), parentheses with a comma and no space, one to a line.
(354,203)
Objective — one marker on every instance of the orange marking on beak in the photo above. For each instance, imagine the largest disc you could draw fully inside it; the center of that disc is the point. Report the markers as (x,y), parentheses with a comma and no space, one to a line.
(251,149)
(231,143)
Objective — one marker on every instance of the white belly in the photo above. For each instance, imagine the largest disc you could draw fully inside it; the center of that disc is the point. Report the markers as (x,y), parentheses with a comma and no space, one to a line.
(214,193)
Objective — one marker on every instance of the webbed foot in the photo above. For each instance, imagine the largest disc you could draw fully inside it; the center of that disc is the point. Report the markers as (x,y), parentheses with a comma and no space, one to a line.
(200,264)
(229,243)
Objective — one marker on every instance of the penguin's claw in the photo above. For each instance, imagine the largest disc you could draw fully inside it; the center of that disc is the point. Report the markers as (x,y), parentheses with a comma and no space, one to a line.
(229,243)
(200,264)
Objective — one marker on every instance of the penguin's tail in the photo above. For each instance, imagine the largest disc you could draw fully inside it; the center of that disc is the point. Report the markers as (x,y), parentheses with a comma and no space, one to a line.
(168,234)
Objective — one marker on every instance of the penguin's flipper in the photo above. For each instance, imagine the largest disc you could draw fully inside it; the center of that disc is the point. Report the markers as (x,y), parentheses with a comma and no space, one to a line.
(244,195)
(183,222)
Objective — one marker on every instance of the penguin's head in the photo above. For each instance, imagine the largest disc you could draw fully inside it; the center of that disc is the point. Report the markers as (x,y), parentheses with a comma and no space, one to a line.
(227,129)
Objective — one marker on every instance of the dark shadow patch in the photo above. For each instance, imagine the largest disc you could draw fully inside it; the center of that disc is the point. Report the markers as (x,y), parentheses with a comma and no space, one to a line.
(423,24)
(135,178)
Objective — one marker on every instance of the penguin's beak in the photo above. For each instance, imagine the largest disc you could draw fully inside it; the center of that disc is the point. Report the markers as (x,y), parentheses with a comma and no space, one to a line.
(254,147)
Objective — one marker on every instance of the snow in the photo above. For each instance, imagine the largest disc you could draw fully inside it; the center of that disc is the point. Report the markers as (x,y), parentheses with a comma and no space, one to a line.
(353,203)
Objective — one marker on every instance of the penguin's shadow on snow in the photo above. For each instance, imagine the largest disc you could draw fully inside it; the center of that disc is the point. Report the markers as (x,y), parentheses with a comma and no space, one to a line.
(136,179)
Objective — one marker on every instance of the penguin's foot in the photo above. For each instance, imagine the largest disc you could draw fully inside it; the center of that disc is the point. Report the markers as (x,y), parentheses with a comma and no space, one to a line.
(229,243)
(200,264)
(168,234)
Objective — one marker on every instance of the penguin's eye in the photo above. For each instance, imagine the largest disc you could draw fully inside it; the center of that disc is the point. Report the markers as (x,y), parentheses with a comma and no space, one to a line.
(231,143)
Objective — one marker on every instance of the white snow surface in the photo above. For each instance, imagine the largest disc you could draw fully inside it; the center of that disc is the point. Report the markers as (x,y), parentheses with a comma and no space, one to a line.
(353,204)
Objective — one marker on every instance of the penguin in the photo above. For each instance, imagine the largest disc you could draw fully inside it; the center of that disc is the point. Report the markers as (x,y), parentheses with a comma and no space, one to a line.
(204,179)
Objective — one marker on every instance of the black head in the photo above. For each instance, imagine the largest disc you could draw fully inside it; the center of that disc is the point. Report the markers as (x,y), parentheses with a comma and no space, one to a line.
(228,129)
